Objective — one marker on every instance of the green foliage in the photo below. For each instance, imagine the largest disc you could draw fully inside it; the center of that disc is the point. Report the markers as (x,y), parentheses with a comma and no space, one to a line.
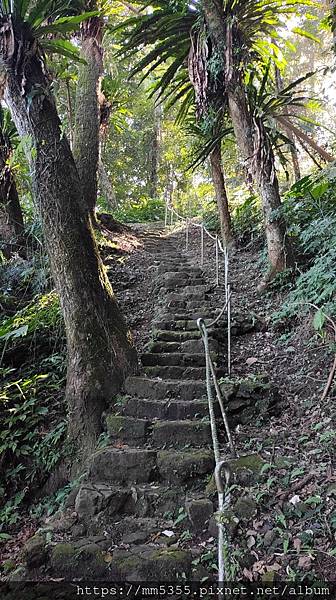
(310,211)
(32,410)
(147,209)
(247,219)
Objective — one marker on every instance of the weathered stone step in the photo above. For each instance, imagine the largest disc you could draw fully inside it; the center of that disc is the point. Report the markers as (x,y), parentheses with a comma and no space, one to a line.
(169,323)
(175,372)
(135,465)
(172,410)
(178,268)
(135,432)
(176,336)
(175,359)
(143,387)
(178,434)
(143,500)
(171,281)
(189,346)
(184,317)
(83,561)
(181,467)
(113,465)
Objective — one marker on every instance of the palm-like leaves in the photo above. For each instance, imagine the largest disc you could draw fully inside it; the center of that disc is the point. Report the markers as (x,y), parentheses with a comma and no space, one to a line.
(48,21)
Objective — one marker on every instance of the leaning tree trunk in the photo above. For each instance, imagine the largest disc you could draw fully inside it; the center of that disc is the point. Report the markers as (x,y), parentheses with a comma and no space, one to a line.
(254,145)
(221,195)
(246,135)
(100,350)
(87,119)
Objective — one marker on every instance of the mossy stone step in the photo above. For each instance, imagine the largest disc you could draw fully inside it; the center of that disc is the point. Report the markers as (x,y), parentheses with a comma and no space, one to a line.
(143,500)
(175,372)
(114,465)
(190,346)
(178,434)
(176,336)
(173,410)
(134,432)
(171,280)
(175,359)
(183,466)
(127,429)
(143,387)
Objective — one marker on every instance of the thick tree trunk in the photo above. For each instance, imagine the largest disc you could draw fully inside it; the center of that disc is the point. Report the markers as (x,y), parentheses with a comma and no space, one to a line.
(87,120)
(100,350)
(221,195)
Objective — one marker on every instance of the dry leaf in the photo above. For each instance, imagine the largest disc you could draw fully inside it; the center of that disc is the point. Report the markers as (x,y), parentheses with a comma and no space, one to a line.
(297,544)
(251,541)
(251,361)
(305,562)
(248,574)
(295,500)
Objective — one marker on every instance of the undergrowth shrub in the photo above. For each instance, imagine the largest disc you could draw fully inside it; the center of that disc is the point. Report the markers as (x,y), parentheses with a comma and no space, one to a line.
(32,411)
(310,211)
(146,209)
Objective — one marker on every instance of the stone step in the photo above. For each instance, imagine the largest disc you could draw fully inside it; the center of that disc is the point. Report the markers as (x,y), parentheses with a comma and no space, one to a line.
(143,387)
(175,359)
(178,268)
(189,346)
(181,467)
(82,561)
(177,372)
(114,465)
(172,410)
(169,323)
(176,336)
(177,434)
(142,500)
(171,281)
(135,465)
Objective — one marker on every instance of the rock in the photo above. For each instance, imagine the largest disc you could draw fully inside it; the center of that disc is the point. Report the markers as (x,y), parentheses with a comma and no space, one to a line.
(269,538)
(92,499)
(183,466)
(85,561)
(35,552)
(245,508)
(245,469)
(62,521)
(122,466)
(127,429)
(137,537)
(199,512)
(181,433)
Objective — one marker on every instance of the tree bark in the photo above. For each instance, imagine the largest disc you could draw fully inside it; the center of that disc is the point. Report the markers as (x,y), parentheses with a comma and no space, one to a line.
(221,195)
(11,218)
(154,155)
(87,119)
(100,350)
(249,135)
(288,132)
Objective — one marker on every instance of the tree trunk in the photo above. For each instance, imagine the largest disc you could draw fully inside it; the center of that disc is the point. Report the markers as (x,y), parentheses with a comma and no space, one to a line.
(154,157)
(221,195)
(87,120)
(288,132)
(11,218)
(301,135)
(100,350)
(246,133)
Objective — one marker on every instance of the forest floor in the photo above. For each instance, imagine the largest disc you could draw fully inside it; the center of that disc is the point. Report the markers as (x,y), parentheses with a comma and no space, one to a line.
(290,530)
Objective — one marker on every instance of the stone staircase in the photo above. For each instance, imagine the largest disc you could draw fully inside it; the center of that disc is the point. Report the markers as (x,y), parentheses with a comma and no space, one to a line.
(143,511)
